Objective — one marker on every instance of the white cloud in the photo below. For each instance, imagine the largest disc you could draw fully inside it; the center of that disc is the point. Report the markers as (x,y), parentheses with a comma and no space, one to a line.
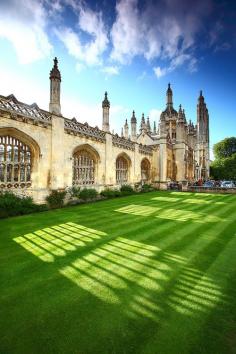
(126,33)
(23,23)
(111,70)
(166,31)
(176,62)
(90,22)
(160,72)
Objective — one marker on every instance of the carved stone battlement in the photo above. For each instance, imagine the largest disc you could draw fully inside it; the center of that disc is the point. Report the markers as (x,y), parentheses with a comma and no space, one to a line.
(24,112)
(122,142)
(145,150)
(73,127)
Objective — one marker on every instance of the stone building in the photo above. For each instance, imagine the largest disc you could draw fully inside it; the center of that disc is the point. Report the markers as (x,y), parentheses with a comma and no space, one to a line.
(42,150)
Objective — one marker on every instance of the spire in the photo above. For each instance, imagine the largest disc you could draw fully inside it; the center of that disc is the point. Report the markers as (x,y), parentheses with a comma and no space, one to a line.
(133,127)
(105,102)
(143,127)
(126,129)
(180,114)
(201,98)
(55,89)
(105,113)
(133,118)
(55,73)
(154,128)
(148,125)
(169,97)
(122,132)
(143,119)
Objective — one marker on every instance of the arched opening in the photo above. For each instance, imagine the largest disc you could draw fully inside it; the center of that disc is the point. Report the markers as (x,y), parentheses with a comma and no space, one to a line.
(145,170)
(18,154)
(122,169)
(85,160)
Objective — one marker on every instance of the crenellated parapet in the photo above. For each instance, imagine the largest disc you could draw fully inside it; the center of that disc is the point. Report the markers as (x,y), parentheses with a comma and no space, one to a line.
(122,142)
(145,150)
(23,112)
(71,126)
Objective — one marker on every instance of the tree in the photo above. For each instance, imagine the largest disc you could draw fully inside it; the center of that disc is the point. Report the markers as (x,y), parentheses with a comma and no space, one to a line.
(224,166)
(225,148)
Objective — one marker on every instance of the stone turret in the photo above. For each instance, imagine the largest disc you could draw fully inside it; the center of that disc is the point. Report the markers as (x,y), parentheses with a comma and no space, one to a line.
(126,129)
(148,125)
(133,122)
(169,98)
(180,115)
(154,128)
(105,114)
(143,127)
(55,89)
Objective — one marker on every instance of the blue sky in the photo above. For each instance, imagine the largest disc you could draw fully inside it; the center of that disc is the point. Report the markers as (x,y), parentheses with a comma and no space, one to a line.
(130,48)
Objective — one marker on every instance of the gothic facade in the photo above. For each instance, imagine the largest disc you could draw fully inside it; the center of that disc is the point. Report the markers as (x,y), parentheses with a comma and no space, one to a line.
(42,150)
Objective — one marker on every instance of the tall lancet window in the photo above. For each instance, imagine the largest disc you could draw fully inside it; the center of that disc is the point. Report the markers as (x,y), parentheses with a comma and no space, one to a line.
(121,170)
(83,168)
(15,162)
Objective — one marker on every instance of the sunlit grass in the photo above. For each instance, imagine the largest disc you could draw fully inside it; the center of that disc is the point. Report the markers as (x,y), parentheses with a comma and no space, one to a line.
(153,273)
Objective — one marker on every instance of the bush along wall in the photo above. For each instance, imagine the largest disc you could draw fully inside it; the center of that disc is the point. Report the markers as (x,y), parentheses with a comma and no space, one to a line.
(13,205)
(56,199)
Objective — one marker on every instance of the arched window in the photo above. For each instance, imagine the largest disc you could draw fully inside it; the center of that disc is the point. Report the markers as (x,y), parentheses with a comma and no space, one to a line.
(121,170)
(145,170)
(15,162)
(83,168)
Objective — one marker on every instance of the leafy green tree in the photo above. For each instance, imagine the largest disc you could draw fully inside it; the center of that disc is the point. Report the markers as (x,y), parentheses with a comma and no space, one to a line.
(224,166)
(225,148)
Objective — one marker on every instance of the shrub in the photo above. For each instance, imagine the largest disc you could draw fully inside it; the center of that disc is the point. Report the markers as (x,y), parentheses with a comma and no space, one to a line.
(126,189)
(146,188)
(74,191)
(88,193)
(56,199)
(110,193)
(12,205)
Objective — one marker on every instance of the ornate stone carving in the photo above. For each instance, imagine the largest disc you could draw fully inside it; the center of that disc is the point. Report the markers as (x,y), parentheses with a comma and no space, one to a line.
(122,142)
(74,127)
(145,149)
(24,112)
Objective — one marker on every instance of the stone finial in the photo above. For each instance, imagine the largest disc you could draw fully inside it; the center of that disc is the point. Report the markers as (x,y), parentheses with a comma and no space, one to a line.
(105,102)
(55,73)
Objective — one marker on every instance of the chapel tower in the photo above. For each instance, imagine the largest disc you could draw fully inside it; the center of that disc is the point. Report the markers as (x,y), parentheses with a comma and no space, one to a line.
(202,146)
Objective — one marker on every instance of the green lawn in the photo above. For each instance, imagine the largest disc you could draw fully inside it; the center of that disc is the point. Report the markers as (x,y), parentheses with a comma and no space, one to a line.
(149,273)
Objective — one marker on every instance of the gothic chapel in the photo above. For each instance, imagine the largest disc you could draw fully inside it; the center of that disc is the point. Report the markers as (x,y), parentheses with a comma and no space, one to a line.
(42,150)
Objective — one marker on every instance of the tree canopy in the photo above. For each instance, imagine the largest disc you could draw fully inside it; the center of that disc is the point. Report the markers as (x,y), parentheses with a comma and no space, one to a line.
(224,166)
(225,148)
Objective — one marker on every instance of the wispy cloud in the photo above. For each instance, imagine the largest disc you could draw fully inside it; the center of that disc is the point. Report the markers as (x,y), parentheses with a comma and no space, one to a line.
(179,60)
(23,23)
(91,23)
(111,70)
(163,31)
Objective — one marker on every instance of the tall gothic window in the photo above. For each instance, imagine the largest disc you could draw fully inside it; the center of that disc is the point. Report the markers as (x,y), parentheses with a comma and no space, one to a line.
(145,170)
(83,168)
(15,162)
(121,170)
